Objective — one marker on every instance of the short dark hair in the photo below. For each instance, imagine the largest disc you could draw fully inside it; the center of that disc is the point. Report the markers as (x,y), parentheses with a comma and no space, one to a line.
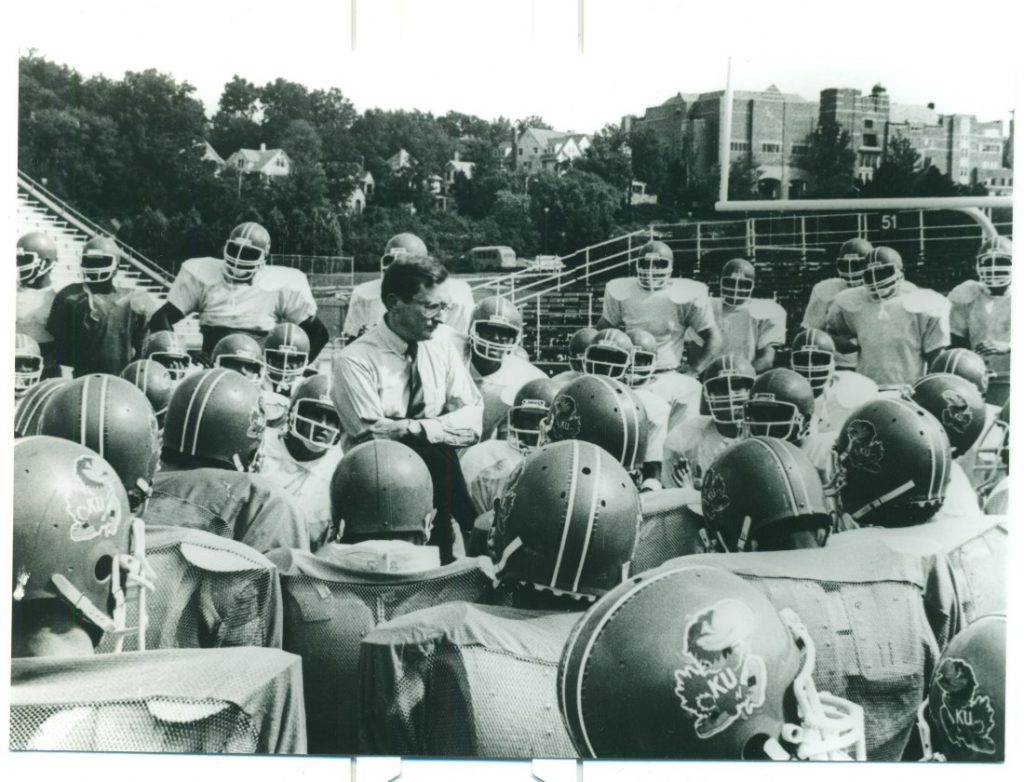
(406,276)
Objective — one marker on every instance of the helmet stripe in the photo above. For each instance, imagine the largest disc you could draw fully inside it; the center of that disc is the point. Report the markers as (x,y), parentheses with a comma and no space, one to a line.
(202,408)
(101,430)
(793,504)
(595,491)
(182,448)
(569,505)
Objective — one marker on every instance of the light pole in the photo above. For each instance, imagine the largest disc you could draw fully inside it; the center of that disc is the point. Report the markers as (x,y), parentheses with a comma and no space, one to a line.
(546,210)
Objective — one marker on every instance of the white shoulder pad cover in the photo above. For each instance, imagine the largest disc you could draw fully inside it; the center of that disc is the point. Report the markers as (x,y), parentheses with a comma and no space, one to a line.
(852,299)
(829,288)
(927,302)
(367,290)
(966,292)
(853,389)
(686,291)
(621,288)
(275,278)
(766,309)
(208,271)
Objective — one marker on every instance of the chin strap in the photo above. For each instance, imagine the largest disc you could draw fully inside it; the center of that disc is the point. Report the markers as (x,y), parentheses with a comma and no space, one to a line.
(139,574)
(830,727)
(924,730)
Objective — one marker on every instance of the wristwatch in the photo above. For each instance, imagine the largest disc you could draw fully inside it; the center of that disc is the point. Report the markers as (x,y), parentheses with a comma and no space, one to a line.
(415,428)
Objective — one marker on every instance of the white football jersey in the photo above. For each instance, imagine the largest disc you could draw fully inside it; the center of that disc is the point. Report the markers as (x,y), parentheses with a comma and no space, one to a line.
(486,466)
(277,294)
(818,447)
(816,315)
(961,500)
(749,327)
(308,482)
(657,410)
(844,393)
(382,556)
(366,309)
(32,308)
(894,334)
(682,393)
(690,448)
(977,316)
(998,502)
(666,313)
(981,468)
(499,391)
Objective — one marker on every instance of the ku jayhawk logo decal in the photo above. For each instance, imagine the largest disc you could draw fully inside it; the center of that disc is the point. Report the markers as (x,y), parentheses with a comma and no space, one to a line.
(713,498)
(967,717)
(94,508)
(864,451)
(721,680)
(956,416)
(564,421)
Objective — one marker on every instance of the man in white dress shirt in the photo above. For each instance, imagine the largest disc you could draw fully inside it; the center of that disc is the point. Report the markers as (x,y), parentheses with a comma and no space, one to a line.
(406,380)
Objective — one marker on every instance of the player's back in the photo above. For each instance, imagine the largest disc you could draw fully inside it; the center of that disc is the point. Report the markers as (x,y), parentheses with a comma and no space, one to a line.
(464,680)
(878,618)
(210,592)
(174,700)
(329,609)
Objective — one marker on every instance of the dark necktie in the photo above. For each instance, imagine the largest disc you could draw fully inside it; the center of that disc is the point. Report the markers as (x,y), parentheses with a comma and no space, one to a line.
(416,404)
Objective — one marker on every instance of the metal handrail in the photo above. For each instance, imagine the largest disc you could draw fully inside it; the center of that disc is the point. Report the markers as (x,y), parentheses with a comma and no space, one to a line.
(82,223)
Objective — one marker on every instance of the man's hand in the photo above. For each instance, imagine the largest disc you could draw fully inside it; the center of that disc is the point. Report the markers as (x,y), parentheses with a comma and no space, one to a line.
(389,429)
(991,347)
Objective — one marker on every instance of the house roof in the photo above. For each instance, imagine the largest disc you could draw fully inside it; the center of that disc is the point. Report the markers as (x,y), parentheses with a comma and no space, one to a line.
(465,166)
(211,154)
(259,157)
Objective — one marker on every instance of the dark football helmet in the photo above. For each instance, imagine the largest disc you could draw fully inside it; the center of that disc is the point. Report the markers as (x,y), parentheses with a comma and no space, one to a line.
(33,403)
(964,717)
(609,354)
(154,381)
(725,677)
(36,255)
(241,353)
(496,328)
(736,284)
(100,259)
(566,521)
(312,418)
(529,409)
(217,416)
(578,344)
(851,260)
(994,262)
(28,364)
(168,349)
(965,363)
(781,404)
(400,245)
(246,252)
(727,381)
(891,464)
(956,404)
(813,355)
(645,354)
(883,273)
(653,266)
(113,418)
(286,354)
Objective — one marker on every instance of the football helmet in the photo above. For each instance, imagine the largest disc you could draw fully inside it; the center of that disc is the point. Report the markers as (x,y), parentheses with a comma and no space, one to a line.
(609,354)
(851,260)
(216,415)
(286,354)
(601,411)
(246,252)
(883,272)
(653,265)
(994,263)
(381,487)
(33,403)
(736,284)
(28,364)
(956,404)
(965,363)
(781,404)
(529,409)
(813,355)
(113,418)
(37,254)
(964,717)
(642,362)
(154,381)
(167,348)
(241,353)
(578,344)
(312,417)
(757,490)
(74,536)
(400,245)
(566,521)
(495,329)
(100,258)
(727,381)
(891,464)
(725,677)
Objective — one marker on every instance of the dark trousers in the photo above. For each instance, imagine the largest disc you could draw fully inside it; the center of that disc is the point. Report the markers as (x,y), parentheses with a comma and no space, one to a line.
(451,496)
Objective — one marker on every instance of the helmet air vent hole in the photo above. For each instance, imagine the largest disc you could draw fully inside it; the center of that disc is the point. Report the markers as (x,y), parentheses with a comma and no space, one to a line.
(586,471)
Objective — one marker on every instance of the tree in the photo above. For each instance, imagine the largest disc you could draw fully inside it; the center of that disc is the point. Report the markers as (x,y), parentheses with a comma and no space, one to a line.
(898,173)
(283,101)
(581,209)
(830,161)
(532,121)
(744,179)
(650,158)
(608,157)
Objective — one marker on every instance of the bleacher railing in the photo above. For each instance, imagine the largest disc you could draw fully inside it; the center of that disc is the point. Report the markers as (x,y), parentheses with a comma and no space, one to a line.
(147,267)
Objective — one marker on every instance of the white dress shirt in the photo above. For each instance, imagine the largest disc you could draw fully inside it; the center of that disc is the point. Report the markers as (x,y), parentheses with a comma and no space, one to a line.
(371,382)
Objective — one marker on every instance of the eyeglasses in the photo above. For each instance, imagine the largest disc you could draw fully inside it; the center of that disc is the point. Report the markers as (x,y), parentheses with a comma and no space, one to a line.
(433,309)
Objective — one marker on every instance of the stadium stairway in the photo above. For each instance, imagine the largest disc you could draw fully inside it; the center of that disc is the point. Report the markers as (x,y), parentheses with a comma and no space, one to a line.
(40,210)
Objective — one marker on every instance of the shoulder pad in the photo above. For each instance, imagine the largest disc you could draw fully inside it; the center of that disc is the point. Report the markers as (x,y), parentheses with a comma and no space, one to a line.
(275,278)
(621,288)
(966,292)
(684,291)
(852,389)
(927,302)
(207,270)
(367,290)
(828,289)
(655,407)
(767,309)
(852,299)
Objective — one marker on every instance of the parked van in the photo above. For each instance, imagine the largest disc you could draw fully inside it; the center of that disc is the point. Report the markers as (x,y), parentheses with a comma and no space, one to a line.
(498,258)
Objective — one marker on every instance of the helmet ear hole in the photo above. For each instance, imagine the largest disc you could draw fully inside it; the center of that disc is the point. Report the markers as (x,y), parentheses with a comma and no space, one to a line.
(754,748)
(104,567)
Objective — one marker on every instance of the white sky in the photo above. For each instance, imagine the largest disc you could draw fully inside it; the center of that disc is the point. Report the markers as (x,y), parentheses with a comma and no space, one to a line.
(520,57)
